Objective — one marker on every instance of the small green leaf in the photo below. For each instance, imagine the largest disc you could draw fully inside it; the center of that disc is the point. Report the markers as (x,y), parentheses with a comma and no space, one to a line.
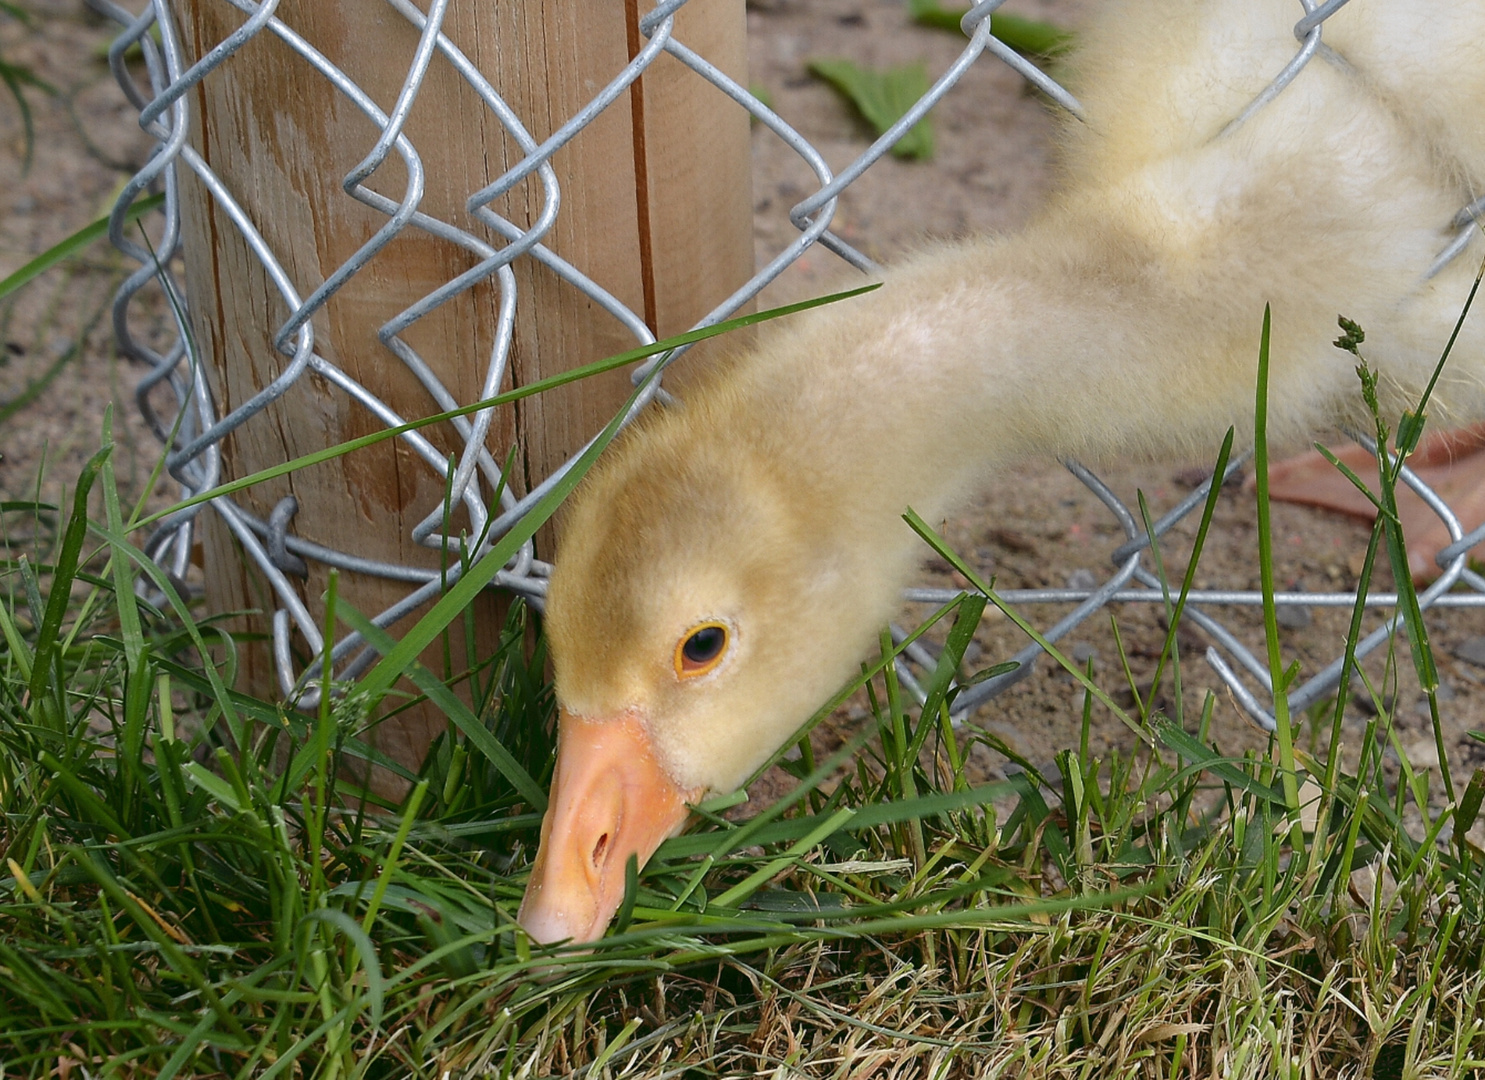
(1027,36)
(882,98)
(1202,757)
(1469,806)
(988,673)
(631,892)
(1409,432)
(213,785)
(939,681)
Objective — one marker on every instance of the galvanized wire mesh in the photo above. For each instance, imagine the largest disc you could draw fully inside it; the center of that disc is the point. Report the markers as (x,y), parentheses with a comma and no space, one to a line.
(192,434)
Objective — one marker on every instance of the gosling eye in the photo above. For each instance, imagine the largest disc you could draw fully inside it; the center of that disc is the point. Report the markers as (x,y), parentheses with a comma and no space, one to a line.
(701,650)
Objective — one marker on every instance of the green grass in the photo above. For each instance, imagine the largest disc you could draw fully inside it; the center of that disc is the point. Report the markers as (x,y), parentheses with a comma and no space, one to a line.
(18,79)
(190,886)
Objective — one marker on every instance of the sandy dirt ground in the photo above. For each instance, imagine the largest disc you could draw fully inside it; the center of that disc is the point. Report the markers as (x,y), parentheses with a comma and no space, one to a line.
(59,371)
(1039,527)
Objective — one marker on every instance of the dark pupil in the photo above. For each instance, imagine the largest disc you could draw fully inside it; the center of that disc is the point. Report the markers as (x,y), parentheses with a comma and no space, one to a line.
(704,645)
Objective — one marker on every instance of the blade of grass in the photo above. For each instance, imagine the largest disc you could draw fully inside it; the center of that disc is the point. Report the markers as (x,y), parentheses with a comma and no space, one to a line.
(448,607)
(457,712)
(65,249)
(394,851)
(1188,581)
(220,695)
(869,816)
(1283,731)
(16,78)
(753,881)
(923,529)
(231,487)
(1202,759)
(868,672)
(64,573)
(1343,693)
(969,609)
(34,388)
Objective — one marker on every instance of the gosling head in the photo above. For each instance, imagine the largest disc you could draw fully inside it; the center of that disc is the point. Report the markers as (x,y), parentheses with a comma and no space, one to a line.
(696,619)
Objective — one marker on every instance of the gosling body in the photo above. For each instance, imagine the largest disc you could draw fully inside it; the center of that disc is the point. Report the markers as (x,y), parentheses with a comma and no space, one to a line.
(1123,322)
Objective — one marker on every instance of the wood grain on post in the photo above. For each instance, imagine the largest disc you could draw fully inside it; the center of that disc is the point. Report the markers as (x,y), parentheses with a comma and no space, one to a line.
(656,207)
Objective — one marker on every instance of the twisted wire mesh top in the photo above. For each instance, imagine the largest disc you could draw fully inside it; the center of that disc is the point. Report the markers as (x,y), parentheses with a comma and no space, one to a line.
(193,433)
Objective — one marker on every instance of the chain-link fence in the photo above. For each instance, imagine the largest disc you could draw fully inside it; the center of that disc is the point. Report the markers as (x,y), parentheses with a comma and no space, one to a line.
(192,436)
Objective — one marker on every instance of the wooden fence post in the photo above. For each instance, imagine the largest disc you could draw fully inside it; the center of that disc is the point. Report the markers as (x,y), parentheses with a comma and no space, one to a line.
(656,207)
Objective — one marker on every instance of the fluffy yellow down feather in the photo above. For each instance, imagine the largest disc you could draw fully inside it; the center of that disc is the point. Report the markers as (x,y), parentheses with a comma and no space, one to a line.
(766,512)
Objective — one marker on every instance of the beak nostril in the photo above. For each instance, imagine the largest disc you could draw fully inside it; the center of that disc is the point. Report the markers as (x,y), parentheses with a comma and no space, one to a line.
(599,849)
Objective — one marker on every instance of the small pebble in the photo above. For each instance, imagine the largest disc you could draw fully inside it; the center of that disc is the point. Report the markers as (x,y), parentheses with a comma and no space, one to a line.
(1081,652)
(1012,540)
(1192,476)
(1423,754)
(1293,617)
(1196,475)
(985,180)
(1082,579)
(1471,651)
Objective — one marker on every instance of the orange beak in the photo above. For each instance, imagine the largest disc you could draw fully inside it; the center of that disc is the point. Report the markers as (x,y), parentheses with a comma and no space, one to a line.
(610,799)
